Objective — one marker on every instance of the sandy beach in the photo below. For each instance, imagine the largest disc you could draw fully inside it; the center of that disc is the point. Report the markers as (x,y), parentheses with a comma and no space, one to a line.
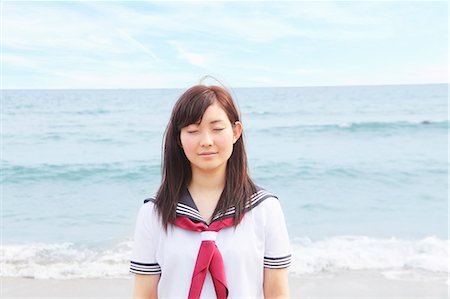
(351,284)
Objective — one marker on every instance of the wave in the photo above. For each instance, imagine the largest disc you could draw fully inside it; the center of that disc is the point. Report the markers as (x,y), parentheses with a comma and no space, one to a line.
(360,126)
(394,125)
(64,261)
(311,170)
(270,170)
(395,258)
(78,172)
(365,253)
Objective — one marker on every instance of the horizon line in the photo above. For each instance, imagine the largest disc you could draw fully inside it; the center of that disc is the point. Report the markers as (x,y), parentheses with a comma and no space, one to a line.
(237,87)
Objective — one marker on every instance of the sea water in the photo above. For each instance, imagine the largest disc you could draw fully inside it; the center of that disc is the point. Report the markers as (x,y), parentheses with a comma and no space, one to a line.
(361,173)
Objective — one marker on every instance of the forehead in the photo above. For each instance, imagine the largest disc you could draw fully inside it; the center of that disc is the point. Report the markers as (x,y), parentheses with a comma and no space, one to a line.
(215,110)
(214,114)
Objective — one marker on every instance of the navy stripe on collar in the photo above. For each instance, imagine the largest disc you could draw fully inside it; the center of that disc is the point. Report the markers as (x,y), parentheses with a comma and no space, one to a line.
(186,206)
(257,198)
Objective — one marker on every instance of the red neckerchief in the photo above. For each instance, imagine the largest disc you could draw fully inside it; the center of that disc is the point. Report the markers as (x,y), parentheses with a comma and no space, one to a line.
(209,257)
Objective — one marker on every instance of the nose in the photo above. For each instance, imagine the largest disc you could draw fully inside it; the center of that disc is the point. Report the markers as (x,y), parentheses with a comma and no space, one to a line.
(206,139)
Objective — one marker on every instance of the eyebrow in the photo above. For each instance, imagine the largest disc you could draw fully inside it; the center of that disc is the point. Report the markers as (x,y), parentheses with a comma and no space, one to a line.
(216,121)
(211,122)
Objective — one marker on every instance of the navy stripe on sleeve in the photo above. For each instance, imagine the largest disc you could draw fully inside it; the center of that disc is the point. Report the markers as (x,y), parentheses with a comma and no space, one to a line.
(277,262)
(141,268)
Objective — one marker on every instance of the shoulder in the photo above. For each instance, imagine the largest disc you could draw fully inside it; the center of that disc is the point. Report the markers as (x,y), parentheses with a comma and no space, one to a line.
(262,196)
(269,206)
(264,201)
(147,212)
(148,206)
(150,199)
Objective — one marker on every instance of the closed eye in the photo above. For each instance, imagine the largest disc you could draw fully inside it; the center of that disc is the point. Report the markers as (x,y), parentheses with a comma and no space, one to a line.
(219,129)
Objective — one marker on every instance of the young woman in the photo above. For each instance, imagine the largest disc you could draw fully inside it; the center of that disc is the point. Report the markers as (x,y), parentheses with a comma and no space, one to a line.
(210,232)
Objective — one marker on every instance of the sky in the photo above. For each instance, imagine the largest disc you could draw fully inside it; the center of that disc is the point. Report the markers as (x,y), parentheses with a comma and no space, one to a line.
(154,44)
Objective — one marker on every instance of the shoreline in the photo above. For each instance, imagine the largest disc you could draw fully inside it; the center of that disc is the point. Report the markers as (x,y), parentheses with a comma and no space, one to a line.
(345,284)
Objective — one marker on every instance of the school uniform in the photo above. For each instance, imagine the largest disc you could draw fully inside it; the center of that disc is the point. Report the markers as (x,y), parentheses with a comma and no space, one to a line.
(260,240)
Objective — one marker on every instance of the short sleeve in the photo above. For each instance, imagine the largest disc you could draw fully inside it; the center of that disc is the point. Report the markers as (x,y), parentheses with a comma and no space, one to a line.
(277,252)
(143,259)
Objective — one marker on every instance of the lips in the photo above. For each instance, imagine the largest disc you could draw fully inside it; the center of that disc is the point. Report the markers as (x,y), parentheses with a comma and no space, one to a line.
(207,153)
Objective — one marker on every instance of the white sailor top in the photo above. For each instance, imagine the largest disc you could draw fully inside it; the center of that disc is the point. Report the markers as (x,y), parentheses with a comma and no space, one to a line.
(260,240)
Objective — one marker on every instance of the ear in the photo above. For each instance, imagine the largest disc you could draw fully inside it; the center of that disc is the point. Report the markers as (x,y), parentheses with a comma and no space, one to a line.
(237,131)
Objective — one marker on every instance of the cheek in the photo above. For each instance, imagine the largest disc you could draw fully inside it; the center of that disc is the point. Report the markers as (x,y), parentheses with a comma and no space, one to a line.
(188,145)
(226,143)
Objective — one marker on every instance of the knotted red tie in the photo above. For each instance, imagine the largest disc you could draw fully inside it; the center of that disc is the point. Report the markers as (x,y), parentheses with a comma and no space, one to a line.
(208,258)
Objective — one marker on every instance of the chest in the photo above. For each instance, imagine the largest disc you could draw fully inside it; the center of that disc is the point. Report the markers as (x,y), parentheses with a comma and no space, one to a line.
(241,247)
(238,245)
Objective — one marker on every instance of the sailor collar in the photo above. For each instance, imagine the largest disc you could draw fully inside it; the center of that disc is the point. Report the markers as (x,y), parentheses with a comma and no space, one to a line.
(186,206)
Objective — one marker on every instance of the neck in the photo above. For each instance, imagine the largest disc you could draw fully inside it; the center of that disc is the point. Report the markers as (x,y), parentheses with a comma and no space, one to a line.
(208,180)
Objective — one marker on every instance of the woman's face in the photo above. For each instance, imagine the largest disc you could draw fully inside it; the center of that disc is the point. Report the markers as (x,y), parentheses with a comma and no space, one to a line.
(208,145)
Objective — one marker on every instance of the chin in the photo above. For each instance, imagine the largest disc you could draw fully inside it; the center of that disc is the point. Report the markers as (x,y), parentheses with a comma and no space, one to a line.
(209,167)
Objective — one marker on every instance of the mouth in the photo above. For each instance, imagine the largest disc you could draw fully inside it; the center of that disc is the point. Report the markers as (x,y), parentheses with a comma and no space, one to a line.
(206,154)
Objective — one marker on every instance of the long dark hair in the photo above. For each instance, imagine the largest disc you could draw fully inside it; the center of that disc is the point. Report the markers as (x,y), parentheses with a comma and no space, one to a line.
(176,168)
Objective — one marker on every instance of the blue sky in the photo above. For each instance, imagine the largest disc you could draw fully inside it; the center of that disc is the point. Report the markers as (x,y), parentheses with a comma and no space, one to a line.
(245,44)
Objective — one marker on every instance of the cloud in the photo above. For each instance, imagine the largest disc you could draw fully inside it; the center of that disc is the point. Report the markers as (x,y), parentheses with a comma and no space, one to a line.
(119,44)
(253,22)
(195,59)
(137,43)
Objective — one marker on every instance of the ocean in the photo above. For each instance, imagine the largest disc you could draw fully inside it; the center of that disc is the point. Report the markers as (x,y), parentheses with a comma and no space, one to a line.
(360,171)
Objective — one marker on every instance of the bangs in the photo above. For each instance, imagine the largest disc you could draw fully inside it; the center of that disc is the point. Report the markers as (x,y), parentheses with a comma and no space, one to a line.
(193,106)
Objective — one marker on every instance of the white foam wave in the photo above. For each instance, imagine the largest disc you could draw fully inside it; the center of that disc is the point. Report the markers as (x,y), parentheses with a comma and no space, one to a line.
(395,258)
(64,261)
